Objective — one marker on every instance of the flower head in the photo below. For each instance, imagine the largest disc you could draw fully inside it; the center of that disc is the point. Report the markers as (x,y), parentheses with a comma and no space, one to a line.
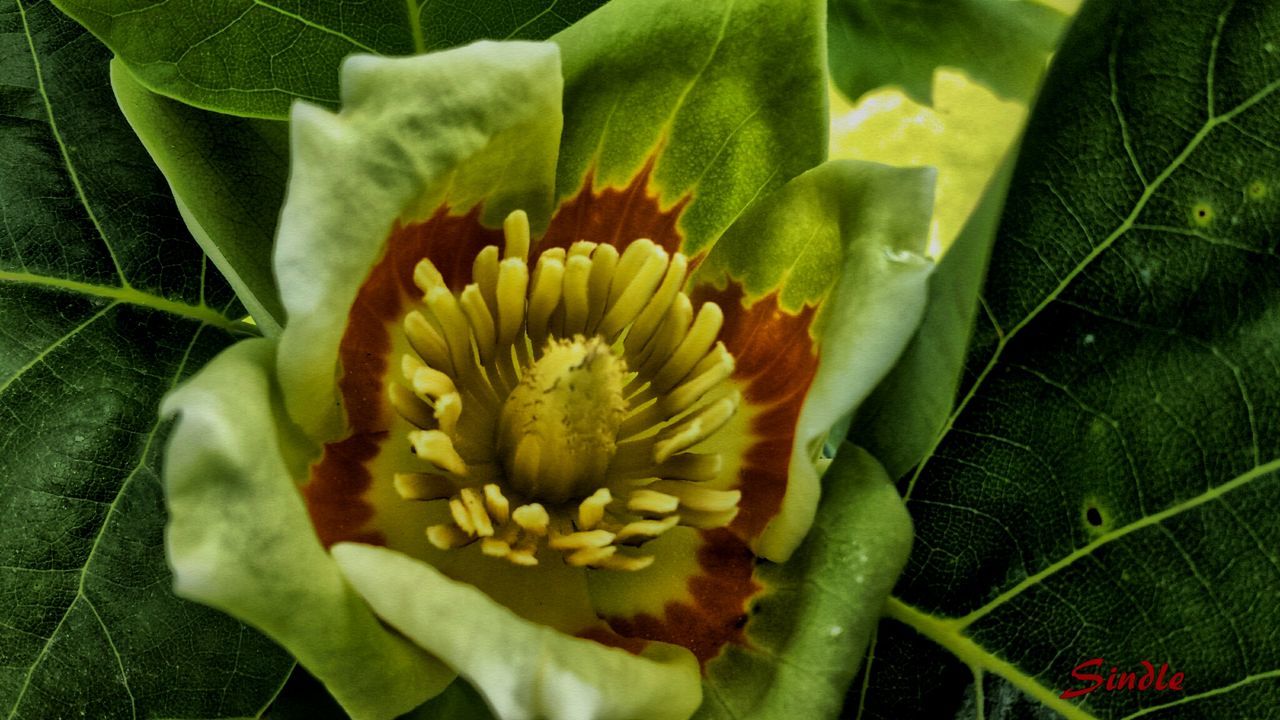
(544,395)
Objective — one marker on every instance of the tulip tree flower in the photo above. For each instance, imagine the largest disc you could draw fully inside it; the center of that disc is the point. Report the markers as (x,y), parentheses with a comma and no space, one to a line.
(569,325)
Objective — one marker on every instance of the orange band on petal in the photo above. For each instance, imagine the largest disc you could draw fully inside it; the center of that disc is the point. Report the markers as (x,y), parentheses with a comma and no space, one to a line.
(617,216)
(776,364)
(721,594)
(336,492)
(337,485)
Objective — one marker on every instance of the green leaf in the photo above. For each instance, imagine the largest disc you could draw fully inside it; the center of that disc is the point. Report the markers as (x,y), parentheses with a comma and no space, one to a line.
(1107,484)
(228,176)
(105,303)
(821,606)
(899,420)
(1001,43)
(255,57)
(245,57)
(446,25)
(729,97)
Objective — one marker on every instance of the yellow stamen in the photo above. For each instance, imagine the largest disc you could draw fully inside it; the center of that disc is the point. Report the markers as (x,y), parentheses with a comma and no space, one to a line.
(650,502)
(574,541)
(437,448)
(481,320)
(604,263)
(427,341)
(547,281)
(419,486)
(532,519)
(498,505)
(409,406)
(591,510)
(426,276)
(577,275)
(576,394)
(474,505)
(513,280)
(515,229)
(447,537)
(642,530)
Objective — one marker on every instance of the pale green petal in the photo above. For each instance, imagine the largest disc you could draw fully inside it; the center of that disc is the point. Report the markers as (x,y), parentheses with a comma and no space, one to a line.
(239,539)
(526,671)
(871,314)
(479,122)
(902,418)
(850,238)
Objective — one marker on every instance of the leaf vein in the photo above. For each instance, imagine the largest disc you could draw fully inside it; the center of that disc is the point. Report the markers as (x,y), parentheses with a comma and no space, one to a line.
(62,147)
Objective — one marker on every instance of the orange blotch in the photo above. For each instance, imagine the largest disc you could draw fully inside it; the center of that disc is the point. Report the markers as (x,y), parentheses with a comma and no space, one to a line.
(339,481)
(718,613)
(605,635)
(451,242)
(775,364)
(617,215)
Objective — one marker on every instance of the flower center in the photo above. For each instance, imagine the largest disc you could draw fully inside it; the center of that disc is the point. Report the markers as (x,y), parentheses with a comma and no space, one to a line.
(565,410)
(559,427)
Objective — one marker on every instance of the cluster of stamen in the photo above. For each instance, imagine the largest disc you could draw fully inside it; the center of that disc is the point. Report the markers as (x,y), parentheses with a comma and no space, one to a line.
(559,409)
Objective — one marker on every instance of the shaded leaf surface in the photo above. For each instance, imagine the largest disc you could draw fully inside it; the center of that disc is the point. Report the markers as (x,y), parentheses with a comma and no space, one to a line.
(1000,43)
(105,303)
(1106,486)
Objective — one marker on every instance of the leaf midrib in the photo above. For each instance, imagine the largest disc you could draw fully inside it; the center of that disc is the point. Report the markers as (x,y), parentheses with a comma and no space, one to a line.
(62,146)
(947,635)
(97,541)
(129,295)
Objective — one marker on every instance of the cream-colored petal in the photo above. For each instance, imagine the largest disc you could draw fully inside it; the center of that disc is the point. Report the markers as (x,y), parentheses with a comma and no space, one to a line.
(477,122)
(240,540)
(525,671)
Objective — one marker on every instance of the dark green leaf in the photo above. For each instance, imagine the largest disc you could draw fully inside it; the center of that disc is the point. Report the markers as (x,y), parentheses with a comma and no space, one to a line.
(105,303)
(246,57)
(1107,485)
(1000,43)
